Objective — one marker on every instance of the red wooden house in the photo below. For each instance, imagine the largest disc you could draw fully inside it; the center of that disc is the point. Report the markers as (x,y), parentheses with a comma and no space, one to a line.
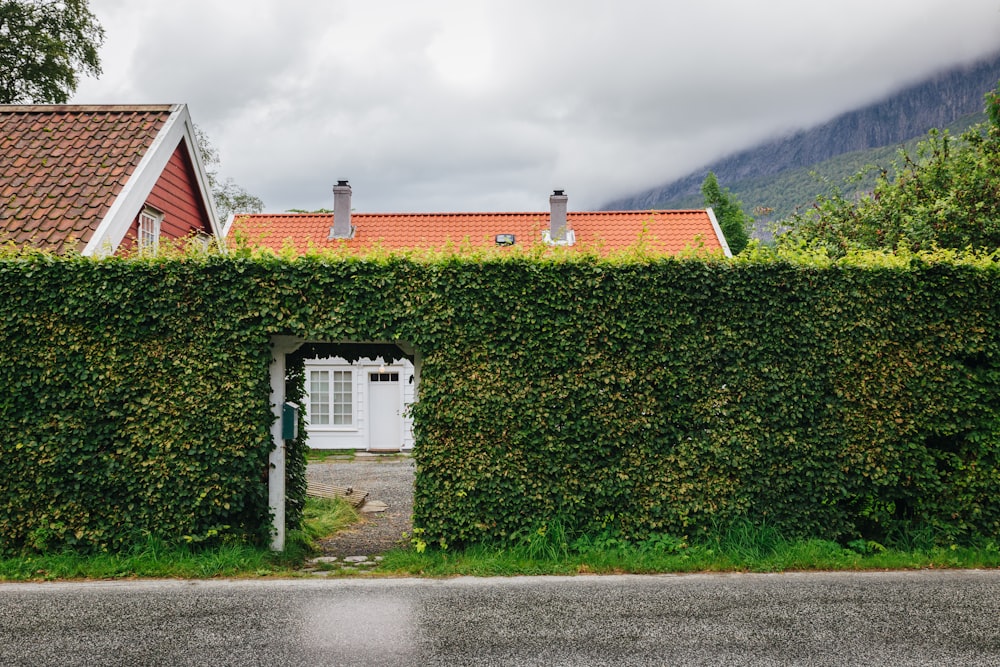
(102,179)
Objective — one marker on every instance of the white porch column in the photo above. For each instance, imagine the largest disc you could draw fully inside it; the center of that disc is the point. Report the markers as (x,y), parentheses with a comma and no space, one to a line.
(280,346)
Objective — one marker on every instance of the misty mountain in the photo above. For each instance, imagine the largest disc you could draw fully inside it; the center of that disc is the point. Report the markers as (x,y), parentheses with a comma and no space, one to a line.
(776,174)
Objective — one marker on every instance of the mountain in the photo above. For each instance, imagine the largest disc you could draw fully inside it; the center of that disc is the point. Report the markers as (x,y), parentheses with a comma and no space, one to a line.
(776,174)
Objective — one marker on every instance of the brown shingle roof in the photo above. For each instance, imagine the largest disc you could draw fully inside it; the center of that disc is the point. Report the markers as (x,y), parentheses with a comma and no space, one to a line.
(666,232)
(61,167)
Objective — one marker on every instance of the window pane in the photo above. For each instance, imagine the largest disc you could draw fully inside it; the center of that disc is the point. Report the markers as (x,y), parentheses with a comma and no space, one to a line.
(342,401)
(319,397)
(149,231)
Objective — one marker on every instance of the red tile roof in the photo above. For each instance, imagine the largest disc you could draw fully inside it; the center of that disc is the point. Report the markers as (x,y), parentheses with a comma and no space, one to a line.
(61,167)
(667,232)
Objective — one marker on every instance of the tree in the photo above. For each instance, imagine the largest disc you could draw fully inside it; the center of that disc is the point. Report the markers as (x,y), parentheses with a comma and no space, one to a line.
(228,196)
(728,211)
(946,195)
(44,44)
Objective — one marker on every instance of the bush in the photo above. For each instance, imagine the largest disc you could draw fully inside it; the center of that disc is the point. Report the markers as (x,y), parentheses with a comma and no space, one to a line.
(628,397)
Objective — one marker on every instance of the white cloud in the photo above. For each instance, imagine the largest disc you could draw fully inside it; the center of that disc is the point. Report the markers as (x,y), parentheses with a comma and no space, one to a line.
(448,105)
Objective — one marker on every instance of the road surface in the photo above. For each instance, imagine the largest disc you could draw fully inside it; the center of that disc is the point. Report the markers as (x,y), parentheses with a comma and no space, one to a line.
(901,618)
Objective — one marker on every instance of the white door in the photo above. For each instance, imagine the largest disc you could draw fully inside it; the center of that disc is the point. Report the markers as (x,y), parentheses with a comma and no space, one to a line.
(386,422)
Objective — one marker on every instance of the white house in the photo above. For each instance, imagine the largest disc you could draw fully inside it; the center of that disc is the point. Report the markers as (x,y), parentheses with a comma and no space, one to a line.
(362,406)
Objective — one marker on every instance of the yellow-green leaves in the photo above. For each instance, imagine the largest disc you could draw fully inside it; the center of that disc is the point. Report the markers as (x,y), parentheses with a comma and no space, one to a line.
(830,398)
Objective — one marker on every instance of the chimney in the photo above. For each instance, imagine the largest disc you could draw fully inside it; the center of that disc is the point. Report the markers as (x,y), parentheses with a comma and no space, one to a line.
(557,219)
(342,228)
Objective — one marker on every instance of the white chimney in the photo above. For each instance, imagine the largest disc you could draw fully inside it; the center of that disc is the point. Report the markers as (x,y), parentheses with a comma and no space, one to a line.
(342,228)
(557,218)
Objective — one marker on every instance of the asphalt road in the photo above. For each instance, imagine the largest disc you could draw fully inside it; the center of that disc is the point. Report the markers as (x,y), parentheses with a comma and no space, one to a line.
(910,618)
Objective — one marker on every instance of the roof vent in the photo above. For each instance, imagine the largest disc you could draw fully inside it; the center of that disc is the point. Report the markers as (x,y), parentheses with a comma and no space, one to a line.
(342,227)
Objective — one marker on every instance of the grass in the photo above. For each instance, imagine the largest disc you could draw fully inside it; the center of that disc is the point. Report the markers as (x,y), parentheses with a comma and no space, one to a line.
(739,548)
(323,517)
(155,559)
(548,550)
(323,455)
(152,559)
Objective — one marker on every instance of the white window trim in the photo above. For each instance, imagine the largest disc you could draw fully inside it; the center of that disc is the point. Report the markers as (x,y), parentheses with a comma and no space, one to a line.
(149,228)
(353,427)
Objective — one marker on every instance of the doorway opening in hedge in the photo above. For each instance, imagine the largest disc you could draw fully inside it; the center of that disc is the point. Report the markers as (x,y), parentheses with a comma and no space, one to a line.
(343,395)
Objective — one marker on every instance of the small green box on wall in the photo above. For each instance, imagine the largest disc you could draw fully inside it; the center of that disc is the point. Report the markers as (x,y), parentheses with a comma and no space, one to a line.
(289,421)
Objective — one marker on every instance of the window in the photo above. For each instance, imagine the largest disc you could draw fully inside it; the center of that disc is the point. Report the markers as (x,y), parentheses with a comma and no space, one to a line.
(149,230)
(331,398)
(203,241)
(383,377)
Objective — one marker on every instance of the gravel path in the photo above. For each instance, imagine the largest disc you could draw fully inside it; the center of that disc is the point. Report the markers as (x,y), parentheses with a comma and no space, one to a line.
(388,480)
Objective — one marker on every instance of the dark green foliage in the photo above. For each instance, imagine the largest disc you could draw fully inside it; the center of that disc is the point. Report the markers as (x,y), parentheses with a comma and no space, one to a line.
(945,195)
(627,398)
(124,412)
(846,400)
(729,212)
(44,46)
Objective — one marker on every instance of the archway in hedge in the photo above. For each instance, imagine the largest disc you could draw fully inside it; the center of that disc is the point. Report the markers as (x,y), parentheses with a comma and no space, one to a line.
(382,365)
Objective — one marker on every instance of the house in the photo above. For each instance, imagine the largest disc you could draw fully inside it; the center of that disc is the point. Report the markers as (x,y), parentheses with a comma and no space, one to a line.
(363,404)
(100,179)
(663,232)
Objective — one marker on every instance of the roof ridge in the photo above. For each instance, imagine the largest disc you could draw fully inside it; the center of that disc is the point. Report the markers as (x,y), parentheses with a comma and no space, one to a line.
(83,108)
(398,214)
(456,213)
(645,210)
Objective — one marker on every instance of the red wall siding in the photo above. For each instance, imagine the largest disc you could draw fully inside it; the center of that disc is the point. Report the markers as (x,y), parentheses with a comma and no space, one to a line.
(176,196)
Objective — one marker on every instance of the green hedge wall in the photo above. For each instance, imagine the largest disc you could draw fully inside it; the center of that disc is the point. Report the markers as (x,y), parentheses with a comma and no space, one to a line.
(635,396)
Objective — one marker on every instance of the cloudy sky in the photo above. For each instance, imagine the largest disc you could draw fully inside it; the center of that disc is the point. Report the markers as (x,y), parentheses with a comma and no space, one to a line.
(466,105)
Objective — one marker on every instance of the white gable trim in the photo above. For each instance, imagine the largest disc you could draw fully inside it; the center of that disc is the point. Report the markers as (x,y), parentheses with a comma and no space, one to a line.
(718,232)
(228,226)
(115,225)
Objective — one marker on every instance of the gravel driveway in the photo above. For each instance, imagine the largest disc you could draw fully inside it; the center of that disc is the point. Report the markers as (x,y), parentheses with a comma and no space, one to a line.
(388,480)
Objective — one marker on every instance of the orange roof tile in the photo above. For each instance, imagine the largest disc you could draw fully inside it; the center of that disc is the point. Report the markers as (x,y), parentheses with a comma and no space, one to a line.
(667,232)
(61,167)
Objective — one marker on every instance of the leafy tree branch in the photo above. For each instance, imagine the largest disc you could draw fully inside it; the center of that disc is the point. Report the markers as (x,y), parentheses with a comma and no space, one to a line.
(44,46)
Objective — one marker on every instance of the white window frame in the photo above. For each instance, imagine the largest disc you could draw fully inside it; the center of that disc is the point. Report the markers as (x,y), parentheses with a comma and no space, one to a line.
(332,401)
(204,240)
(148,237)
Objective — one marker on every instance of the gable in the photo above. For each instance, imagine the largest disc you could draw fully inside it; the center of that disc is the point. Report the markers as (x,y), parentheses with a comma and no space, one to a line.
(61,168)
(176,196)
(78,176)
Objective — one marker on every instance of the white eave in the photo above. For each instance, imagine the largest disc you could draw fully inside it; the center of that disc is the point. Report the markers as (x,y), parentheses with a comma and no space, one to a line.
(115,225)
(718,232)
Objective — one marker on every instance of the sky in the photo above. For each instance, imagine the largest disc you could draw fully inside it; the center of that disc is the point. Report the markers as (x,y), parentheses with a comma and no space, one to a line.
(466,105)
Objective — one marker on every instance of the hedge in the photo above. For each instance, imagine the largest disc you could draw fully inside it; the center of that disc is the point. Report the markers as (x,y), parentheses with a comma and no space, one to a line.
(631,395)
